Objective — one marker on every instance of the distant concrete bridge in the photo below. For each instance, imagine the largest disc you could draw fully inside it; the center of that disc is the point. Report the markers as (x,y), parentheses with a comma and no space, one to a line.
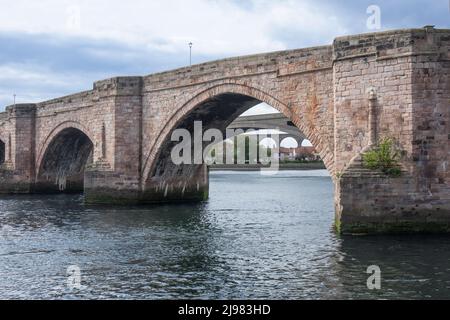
(114,141)
(273,121)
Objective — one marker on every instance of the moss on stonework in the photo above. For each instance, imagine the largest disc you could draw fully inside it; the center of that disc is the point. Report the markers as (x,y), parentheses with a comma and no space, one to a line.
(337,226)
(114,197)
(15,187)
(106,200)
(398,227)
(110,197)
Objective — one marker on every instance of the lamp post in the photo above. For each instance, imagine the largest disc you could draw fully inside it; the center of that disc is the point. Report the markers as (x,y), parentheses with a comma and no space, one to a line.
(14,95)
(190,53)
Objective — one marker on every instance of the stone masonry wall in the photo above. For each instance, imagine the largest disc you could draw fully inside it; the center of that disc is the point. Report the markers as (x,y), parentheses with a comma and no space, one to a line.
(361,63)
(117,177)
(4,134)
(86,111)
(18,170)
(431,121)
(411,83)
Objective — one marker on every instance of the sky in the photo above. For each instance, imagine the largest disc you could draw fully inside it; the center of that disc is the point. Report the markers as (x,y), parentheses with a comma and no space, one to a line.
(51,48)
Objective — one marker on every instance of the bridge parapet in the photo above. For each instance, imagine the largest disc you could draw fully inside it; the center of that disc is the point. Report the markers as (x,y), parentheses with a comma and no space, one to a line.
(77,100)
(119,86)
(282,63)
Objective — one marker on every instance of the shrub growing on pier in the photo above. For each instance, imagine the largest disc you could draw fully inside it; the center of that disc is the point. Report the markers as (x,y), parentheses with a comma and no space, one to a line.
(383,157)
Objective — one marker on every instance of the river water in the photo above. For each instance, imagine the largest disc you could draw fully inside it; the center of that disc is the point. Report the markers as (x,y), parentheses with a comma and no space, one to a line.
(258,237)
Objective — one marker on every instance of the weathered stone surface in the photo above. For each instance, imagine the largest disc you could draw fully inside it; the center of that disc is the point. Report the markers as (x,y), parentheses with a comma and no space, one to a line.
(2,152)
(342,97)
(64,162)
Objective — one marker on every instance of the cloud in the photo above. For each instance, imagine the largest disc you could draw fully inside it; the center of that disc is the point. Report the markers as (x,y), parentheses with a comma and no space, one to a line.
(215,26)
(50,48)
(262,108)
(41,67)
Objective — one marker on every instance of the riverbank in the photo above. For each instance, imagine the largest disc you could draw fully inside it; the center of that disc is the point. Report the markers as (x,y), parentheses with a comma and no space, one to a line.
(283,166)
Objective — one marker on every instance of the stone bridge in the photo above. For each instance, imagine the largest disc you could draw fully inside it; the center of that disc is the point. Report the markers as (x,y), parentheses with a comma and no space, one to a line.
(114,141)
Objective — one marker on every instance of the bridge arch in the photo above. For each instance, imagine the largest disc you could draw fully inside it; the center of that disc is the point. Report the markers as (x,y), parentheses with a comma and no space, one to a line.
(63,157)
(2,151)
(258,95)
(56,131)
(287,139)
(3,144)
(220,105)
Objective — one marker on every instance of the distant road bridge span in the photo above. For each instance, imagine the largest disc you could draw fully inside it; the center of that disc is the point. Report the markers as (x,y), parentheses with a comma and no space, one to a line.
(272,121)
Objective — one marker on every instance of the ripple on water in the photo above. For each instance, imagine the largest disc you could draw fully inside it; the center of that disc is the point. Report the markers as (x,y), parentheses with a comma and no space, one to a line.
(257,237)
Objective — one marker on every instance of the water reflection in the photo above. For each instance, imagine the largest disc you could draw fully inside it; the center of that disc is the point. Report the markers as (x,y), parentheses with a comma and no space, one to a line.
(413,267)
(257,237)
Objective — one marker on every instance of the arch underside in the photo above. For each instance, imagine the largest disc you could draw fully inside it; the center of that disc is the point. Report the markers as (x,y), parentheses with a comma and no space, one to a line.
(189,182)
(286,127)
(171,182)
(63,164)
(2,152)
